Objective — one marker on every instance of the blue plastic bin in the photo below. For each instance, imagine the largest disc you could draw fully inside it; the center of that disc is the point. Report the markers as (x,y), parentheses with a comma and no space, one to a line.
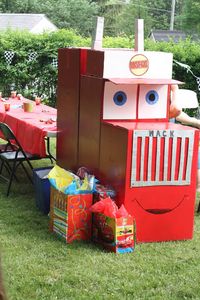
(42,189)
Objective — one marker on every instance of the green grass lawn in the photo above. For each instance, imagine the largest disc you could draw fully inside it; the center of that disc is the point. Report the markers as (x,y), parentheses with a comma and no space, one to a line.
(38,265)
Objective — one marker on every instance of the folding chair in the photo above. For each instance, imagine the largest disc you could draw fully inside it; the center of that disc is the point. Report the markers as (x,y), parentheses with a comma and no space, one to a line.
(14,158)
(5,147)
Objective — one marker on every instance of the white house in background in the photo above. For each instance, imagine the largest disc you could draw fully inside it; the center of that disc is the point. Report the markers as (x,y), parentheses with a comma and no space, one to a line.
(35,23)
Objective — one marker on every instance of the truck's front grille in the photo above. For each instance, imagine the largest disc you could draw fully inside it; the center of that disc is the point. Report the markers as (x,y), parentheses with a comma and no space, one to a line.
(161,157)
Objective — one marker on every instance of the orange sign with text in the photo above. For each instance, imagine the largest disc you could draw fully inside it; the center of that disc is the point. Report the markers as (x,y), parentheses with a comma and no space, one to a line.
(139,64)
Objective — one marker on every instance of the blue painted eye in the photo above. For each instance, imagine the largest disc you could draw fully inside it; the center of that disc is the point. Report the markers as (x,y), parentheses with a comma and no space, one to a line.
(152,97)
(120,98)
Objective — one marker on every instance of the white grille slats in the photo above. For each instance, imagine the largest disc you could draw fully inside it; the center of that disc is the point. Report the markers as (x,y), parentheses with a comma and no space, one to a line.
(172,157)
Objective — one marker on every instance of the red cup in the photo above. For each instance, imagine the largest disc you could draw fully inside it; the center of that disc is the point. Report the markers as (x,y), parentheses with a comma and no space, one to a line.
(7,106)
(19,96)
(13,94)
(37,100)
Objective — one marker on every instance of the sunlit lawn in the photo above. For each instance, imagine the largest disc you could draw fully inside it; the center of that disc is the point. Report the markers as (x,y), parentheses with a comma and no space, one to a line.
(38,265)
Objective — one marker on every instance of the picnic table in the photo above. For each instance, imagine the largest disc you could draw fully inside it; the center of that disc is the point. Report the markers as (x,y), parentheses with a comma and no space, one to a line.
(32,129)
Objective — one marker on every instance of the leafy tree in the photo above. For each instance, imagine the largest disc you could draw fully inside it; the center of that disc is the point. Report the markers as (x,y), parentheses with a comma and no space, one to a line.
(119,15)
(132,11)
(156,15)
(19,6)
(160,13)
(75,14)
(190,16)
(110,10)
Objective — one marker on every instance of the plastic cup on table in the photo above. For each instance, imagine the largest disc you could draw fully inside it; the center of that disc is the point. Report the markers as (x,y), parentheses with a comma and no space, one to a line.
(7,106)
(19,96)
(37,100)
(13,94)
(28,106)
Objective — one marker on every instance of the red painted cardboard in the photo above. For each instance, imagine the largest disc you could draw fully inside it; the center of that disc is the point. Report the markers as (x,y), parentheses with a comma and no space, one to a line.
(71,64)
(162,212)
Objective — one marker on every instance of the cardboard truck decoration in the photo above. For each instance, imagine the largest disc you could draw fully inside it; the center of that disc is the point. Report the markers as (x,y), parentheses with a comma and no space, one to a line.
(113,118)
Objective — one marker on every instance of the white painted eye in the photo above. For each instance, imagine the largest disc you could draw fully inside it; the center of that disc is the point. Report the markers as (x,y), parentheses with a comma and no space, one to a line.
(119,102)
(153,101)
(152,97)
(120,98)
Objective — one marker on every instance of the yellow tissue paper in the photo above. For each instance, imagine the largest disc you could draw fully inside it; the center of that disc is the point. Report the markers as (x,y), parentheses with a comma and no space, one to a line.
(61,177)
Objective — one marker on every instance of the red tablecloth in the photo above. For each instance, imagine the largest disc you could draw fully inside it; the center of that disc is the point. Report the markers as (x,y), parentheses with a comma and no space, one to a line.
(30,128)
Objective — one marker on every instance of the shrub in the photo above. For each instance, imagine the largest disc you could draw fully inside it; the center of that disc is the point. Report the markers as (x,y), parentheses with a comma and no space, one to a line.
(33,68)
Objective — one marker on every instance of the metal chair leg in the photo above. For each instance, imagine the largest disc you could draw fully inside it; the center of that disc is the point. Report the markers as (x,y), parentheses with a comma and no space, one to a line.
(6,165)
(50,156)
(11,178)
(27,174)
(198,209)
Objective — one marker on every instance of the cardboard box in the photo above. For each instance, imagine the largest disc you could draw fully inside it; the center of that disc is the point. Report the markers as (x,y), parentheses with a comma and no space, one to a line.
(70,217)
(114,234)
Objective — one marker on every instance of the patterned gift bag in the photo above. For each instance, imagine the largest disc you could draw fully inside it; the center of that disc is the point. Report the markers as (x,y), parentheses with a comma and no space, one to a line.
(114,234)
(70,217)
